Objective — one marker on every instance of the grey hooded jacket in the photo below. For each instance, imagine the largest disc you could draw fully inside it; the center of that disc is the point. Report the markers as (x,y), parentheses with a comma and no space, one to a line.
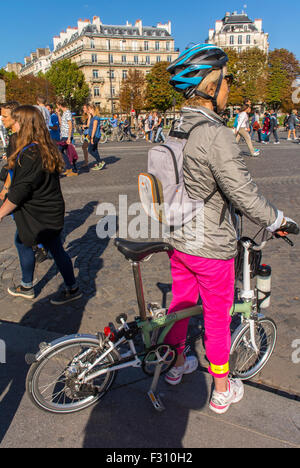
(212,159)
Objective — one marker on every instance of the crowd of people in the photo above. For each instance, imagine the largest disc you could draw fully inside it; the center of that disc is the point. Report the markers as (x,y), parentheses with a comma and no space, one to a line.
(248,122)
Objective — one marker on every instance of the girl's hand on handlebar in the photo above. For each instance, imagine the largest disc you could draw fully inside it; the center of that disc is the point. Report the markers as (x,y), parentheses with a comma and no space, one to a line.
(288,227)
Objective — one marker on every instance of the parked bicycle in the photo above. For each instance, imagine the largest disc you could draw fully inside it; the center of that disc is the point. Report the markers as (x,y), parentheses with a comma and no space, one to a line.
(75,372)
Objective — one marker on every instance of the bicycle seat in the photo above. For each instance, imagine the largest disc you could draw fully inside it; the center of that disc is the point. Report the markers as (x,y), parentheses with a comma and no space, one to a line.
(137,251)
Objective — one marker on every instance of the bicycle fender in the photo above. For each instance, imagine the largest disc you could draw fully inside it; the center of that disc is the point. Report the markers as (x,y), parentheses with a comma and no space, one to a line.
(46,348)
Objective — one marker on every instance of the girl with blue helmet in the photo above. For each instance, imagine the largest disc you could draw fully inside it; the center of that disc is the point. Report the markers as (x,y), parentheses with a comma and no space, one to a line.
(202,262)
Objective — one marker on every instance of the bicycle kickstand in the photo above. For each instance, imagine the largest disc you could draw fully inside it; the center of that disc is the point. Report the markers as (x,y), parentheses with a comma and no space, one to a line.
(155,399)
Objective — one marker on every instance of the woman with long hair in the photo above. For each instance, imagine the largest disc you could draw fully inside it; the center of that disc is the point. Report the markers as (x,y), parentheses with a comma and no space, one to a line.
(95,134)
(36,202)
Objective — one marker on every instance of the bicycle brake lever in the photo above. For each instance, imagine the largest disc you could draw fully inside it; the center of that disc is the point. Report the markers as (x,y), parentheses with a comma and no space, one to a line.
(286,239)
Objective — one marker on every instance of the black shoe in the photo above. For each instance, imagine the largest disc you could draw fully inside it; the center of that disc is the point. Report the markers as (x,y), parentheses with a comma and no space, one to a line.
(20,291)
(41,255)
(66,296)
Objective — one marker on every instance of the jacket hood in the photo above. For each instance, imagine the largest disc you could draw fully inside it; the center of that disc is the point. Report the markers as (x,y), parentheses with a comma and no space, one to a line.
(190,116)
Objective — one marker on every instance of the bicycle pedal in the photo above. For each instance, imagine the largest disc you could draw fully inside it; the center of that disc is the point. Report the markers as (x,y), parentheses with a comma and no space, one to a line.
(156,401)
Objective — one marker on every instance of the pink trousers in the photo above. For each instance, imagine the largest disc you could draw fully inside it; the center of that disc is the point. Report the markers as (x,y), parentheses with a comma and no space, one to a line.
(214,281)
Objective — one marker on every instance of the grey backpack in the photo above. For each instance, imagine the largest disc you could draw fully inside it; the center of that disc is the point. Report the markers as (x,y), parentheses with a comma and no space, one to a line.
(162,190)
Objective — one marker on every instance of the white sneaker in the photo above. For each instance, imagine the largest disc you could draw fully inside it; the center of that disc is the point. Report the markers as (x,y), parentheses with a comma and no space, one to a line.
(277,143)
(220,402)
(174,376)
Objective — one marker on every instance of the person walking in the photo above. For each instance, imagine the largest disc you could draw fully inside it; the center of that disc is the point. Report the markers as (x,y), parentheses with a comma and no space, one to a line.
(2,133)
(243,129)
(292,123)
(41,106)
(54,123)
(94,135)
(159,129)
(115,128)
(202,262)
(86,118)
(36,201)
(66,135)
(274,126)
(266,123)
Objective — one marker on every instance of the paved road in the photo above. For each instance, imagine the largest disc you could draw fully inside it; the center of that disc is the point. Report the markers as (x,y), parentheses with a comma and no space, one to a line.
(105,276)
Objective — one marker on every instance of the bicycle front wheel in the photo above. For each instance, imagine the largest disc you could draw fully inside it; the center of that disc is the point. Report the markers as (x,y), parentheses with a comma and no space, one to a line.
(103,138)
(53,384)
(245,361)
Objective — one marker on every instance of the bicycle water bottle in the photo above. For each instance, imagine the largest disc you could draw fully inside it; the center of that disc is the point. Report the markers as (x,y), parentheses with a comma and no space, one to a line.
(263,284)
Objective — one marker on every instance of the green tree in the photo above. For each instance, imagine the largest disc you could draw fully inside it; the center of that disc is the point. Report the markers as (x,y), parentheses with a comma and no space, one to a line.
(160,94)
(283,70)
(69,83)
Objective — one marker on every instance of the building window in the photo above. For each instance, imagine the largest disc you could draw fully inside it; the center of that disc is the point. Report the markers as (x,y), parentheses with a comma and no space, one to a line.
(111,58)
(134,45)
(148,60)
(158,59)
(231,40)
(95,74)
(122,45)
(146,45)
(239,50)
(96,92)
(124,59)
(124,74)
(168,46)
(248,39)
(240,40)
(112,74)
(113,91)
(156,45)
(136,59)
(169,58)
(94,58)
(92,44)
(108,44)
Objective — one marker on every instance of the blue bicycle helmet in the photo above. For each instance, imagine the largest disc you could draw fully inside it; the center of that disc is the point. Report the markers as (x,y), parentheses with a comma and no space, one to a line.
(193,65)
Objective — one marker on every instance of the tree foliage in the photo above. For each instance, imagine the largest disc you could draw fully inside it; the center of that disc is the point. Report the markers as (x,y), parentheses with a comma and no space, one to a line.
(26,89)
(69,83)
(132,92)
(265,79)
(160,94)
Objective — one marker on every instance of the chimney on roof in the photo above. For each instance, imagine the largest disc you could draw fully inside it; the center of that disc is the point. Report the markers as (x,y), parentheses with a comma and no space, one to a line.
(139,25)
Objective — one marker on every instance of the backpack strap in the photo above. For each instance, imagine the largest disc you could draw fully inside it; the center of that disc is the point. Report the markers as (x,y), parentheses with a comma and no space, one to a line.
(184,135)
(174,162)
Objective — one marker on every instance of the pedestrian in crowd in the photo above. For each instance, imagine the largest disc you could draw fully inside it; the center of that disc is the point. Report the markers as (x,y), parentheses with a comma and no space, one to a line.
(274,126)
(94,135)
(41,102)
(2,132)
(54,123)
(147,128)
(256,126)
(292,123)
(127,128)
(151,125)
(265,133)
(86,118)
(141,124)
(243,129)
(36,201)
(236,121)
(9,124)
(159,129)
(66,135)
(204,265)
(115,127)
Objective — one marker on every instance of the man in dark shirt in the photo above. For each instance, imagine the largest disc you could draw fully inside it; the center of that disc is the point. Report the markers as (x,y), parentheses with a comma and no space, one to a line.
(8,122)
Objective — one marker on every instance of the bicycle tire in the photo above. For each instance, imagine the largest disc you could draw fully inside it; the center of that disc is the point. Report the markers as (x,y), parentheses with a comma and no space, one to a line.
(245,363)
(37,391)
(103,139)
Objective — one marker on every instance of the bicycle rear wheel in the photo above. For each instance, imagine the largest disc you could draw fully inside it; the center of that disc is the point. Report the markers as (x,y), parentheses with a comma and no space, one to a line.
(245,362)
(103,138)
(52,383)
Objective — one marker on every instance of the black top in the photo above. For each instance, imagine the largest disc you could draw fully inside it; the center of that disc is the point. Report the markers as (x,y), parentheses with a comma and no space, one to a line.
(37,193)
(9,151)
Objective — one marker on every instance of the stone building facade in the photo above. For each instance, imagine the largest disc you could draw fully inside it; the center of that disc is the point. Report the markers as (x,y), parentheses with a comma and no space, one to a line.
(105,54)
(239,32)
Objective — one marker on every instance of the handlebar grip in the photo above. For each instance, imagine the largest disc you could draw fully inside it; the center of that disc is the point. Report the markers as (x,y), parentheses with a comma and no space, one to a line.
(286,239)
(290,227)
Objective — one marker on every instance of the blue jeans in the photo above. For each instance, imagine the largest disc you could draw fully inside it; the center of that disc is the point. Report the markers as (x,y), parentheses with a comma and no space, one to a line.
(93,150)
(60,256)
(160,134)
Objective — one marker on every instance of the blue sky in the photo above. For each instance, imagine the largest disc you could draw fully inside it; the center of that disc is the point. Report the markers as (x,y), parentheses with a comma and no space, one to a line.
(28,24)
